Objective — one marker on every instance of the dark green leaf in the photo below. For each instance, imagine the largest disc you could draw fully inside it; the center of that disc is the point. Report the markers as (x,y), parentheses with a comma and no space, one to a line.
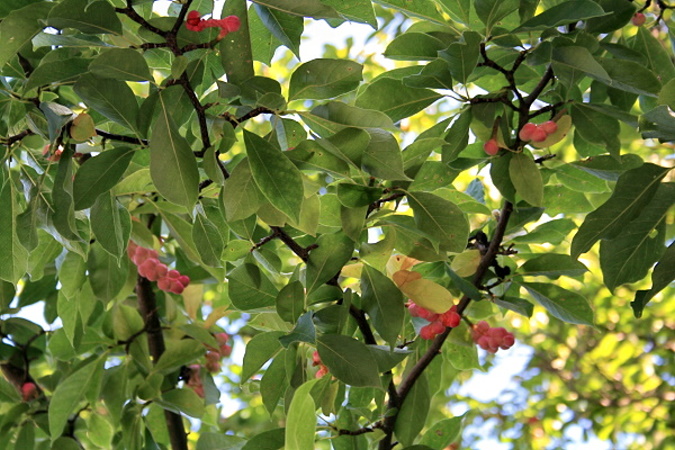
(291,301)
(348,360)
(111,224)
(278,178)
(441,219)
(114,99)
(562,14)
(285,27)
(629,256)
(13,261)
(107,274)
(413,413)
(172,164)
(552,265)
(235,49)
(324,78)
(100,174)
(383,302)
(259,350)
(19,27)
(249,288)
(91,18)
(325,261)
(632,193)
(302,332)
(302,8)
(662,276)
(462,56)
(566,305)
(492,11)
(179,352)
(121,64)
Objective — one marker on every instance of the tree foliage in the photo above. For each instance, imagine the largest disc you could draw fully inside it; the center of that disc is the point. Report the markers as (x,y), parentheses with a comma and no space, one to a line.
(167,178)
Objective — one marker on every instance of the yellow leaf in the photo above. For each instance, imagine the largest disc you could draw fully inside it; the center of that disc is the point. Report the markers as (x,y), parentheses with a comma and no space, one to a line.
(405,276)
(82,128)
(192,299)
(466,263)
(428,294)
(564,125)
(215,315)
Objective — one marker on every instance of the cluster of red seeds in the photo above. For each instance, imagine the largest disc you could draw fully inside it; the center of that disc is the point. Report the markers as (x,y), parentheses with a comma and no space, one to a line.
(227,25)
(491,339)
(450,318)
(147,261)
(213,357)
(537,133)
(316,361)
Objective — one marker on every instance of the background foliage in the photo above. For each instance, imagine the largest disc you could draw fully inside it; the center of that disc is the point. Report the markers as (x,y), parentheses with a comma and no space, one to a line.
(291,193)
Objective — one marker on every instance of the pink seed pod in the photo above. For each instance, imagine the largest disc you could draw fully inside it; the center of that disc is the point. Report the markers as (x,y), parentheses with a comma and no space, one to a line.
(549,127)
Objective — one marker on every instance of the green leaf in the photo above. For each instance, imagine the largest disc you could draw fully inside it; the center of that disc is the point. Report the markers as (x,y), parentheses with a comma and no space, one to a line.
(240,197)
(440,219)
(413,46)
(301,419)
(91,18)
(19,27)
(632,193)
(184,401)
(121,64)
(62,197)
(354,10)
(348,360)
(386,358)
(173,167)
(413,412)
(332,117)
(100,174)
(302,8)
(114,99)
(324,78)
(572,59)
(356,195)
(422,9)
(303,331)
(235,49)
(662,276)
(516,304)
(278,178)
(261,348)
(285,27)
(382,157)
(179,352)
(273,383)
(653,50)
(526,178)
(14,255)
(552,265)
(107,274)
(325,261)
(394,98)
(462,56)
(291,301)
(249,288)
(70,392)
(383,302)
(566,305)
(631,77)
(57,116)
(553,232)
(267,440)
(562,14)
(629,256)
(208,240)
(492,11)
(460,349)
(597,127)
(111,224)
(443,432)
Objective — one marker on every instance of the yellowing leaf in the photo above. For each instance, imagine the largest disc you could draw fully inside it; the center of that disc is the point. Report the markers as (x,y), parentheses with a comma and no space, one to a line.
(82,128)
(215,316)
(425,293)
(352,270)
(466,263)
(400,262)
(192,299)
(405,276)
(564,125)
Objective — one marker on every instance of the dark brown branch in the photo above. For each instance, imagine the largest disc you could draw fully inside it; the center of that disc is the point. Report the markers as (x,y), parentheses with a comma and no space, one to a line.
(131,13)
(147,306)
(435,347)
(121,138)
(17,137)
(236,121)
(299,250)
(184,81)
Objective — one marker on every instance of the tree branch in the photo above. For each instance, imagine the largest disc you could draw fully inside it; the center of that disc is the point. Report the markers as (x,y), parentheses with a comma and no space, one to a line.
(121,138)
(419,367)
(147,306)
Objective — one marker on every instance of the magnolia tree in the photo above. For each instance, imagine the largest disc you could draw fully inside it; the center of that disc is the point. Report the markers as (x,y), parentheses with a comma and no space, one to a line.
(366,226)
